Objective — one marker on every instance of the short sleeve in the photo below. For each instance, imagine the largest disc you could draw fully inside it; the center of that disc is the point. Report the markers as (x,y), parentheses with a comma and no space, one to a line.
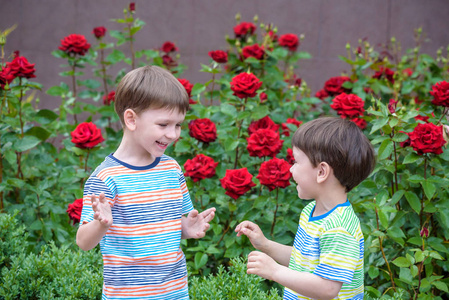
(187,205)
(96,186)
(339,255)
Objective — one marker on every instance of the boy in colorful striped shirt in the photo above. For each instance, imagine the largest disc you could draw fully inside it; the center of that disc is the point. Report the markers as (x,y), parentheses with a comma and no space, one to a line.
(332,156)
(138,216)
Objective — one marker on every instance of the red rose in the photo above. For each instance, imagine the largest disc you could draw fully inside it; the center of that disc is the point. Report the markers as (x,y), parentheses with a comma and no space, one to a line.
(74,210)
(263,97)
(333,85)
(264,142)
(408,72)
(290,157)
(392,106)
(219,56)
(253,51)
(203,130)
(440,93)
(285,129)
(264,123)
(427,138)
(6,77)
(244,28)
(132,7)
(275,173)
(423,118)
(187,85)
(20,67)
(322,94)
(237,182)
(99,32)
(384,73)
(289,41)
(191,101)
(359,122)
(107,99)
(273,36)
(348,106)
(168,47)
(86,135)
(245,85)
(168,61)
(75,43)
(200,167)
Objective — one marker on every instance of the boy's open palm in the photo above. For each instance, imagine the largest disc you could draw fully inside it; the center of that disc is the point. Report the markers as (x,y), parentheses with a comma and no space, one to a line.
(196,224)
(102,209)
(253,232)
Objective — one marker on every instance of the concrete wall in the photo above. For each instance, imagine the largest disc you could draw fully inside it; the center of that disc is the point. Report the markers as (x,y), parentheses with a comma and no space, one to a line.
(198,26)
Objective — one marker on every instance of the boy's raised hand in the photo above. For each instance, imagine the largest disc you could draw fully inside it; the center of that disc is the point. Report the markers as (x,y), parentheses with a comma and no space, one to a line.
(261,264)
(102,209)
(196,224)
(254,233)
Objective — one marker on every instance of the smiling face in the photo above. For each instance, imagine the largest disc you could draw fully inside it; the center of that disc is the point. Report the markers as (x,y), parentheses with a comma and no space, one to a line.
(155,130)
(304,174)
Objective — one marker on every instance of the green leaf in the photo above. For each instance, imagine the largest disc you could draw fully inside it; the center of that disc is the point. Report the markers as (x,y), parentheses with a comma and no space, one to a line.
(414,201)
(228,109)
(397,196)
(197,89)
(419,256)
(200,260)
(405,275)
(378,124)
(46,116)
(57,91)
(39,132)
(401,262)
(115,56)
(429,189)
(183,145)
(89,83)
(441,286)
(26,143)
(385,149)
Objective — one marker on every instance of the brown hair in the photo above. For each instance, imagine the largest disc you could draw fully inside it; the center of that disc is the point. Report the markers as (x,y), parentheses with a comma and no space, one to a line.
(150,87)
(341,144)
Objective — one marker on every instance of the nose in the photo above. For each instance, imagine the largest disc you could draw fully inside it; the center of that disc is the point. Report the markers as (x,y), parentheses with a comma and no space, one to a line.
(172,133)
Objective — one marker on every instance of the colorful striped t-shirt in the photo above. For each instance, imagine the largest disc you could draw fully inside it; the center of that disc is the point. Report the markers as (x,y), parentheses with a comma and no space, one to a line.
(330,246)
(141,250)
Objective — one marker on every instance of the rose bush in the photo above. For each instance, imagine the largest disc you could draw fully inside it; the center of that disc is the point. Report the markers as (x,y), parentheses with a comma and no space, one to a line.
(242,120)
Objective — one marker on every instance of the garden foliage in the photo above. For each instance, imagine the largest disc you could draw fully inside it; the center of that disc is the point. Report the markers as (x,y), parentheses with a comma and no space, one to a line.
(235,149)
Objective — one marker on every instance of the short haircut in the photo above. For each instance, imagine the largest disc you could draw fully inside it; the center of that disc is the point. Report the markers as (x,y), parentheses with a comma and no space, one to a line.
(341,144)
(150,87)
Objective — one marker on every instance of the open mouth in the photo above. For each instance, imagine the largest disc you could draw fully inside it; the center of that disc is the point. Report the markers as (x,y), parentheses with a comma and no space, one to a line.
(164,145)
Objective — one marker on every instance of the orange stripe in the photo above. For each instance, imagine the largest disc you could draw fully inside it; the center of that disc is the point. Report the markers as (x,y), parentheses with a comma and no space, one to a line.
(147,290)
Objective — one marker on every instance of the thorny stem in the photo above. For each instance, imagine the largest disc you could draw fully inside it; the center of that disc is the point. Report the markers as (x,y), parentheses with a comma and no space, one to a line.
(212,91)
(85,163)
(103,70)
(446,110)
(131,46)
(383,252)
(239,126)
(275,211)
(420,269)
(228,223)
(20,107)
(74,88)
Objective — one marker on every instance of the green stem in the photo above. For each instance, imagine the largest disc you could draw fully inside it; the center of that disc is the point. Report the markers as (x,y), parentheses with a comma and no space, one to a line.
(74,88)
(103,70)
(212,91)
(383,253)
(131,46)
(275,211)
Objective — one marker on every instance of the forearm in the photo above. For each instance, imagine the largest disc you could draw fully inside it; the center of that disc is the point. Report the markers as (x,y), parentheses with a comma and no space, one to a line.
(278,252)
(306,284)
(90,234)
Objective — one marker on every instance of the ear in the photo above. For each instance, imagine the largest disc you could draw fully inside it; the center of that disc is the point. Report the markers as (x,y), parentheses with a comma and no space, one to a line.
(324,171)
(130,116)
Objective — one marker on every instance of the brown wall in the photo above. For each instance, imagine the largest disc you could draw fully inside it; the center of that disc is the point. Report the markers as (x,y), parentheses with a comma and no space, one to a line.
(198,26)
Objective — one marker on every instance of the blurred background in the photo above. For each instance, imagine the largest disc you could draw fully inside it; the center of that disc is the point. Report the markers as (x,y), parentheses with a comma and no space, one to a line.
(199,26)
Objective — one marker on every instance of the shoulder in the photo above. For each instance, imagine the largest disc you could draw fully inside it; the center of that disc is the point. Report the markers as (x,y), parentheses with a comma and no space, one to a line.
(344,218)
(169,162)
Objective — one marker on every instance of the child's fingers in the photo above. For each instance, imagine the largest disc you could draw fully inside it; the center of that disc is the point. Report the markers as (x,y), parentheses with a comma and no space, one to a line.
(193,214)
